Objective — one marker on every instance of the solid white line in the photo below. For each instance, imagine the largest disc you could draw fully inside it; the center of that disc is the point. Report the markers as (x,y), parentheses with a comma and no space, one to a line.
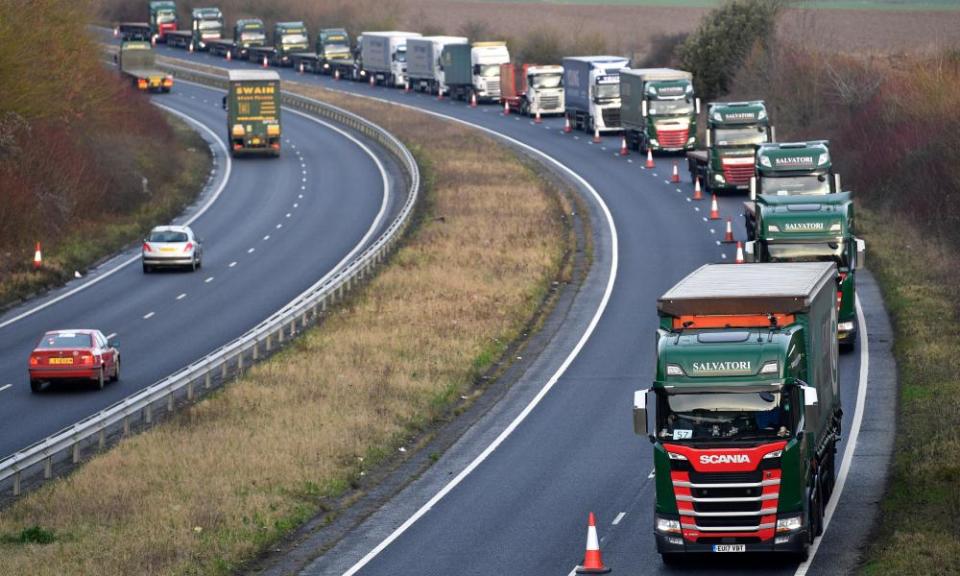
(5,386)
(148,315)
(619,518)
(614,262)
(851,440)
(182,296)
(132,259)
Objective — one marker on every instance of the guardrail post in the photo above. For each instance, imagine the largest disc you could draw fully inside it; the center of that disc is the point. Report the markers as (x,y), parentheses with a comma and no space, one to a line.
(293,327)
(190,390)
(170,402)
(16,483)
(47,467)
(147,415)
(206,379)
(126,424)
(256,349)
(240,362)
(267,345)
(303,320)
(280,334)
(223,370)
(76,452)
(101,438)
(323,305)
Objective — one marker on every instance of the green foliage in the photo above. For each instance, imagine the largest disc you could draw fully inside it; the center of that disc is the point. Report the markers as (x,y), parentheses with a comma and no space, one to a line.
(724,38)
(31,535)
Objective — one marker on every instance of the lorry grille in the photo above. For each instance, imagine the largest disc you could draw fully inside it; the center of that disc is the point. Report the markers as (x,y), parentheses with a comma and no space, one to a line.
(738,174)
(673,139)
(733,505)
(493,88)
(549,102)
(611,117)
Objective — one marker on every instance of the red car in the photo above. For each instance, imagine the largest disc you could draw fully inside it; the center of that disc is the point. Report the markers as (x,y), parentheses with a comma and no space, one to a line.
(75,355)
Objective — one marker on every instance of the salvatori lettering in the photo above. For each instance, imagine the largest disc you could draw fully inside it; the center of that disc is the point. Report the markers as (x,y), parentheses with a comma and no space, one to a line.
(722,367)
(794,161)
(724,459)
(803,226)
(740,116)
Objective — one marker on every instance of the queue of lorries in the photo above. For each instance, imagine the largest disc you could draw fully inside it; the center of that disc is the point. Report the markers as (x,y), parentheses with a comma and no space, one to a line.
(746,397)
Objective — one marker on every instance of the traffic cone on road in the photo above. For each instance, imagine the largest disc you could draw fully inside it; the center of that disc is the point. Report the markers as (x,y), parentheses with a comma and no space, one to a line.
(153,40)
(536,119)
(592,558)
(697,191)
(675,178)
(714,209)
(596,135)
(266,62)
(229,55)
(728,235)
(650,163)
(336,74)
(567,128)
(372,81)
(190,48)
(506,108)
(623,146)
(473,100)
(116,32)
(739,259)
(300,68)
(37,258)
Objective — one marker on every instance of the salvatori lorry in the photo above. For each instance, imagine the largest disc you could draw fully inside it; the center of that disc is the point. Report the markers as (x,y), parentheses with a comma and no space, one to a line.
(734,131)
(531,89)
(253,112)
(206,24)
(592,92)
(746,408)
(659,109)
(384,56)
(473,70)
(423,62)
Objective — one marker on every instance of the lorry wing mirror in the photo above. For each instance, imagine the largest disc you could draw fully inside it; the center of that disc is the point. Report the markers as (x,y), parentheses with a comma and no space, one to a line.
(696,105)
(224,103)
(861,253)
(836,183)
(749,251)
(709,139)
(643,108)
(753,187)
(811,404)
(640,412)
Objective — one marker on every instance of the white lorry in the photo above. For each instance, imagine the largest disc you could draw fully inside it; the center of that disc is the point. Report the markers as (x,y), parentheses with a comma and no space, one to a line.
(423,62)
(384,56)
(591,87)
(473,70)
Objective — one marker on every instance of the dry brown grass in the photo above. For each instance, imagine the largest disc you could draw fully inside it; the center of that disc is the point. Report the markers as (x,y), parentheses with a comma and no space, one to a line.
(210,488)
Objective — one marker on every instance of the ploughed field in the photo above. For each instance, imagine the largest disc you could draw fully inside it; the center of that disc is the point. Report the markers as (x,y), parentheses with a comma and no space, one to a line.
(631,27)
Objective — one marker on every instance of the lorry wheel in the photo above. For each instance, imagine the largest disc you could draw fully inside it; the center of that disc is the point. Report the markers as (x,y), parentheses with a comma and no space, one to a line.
(524,108)
(672,559)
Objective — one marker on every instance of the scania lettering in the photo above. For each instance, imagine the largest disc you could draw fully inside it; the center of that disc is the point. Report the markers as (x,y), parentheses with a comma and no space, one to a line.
(591,86)
(734,131)
(253,112)
(744,452)
(659,109)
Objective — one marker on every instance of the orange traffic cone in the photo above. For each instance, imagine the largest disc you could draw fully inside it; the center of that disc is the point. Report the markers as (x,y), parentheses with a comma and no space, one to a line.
(623,146)
(506,108)
(714,209)
(336,74)
(728,235)
(116,32)
(650,163)
(190,48)
(37,258)
(372,80)
(592,559)
(697,191)
(153,40)
(406,86)
(739,259)
(473,99)
(567,128)
(596,135)
(300,68)
(229,55)
(675,178)
(536,119)
(266,62)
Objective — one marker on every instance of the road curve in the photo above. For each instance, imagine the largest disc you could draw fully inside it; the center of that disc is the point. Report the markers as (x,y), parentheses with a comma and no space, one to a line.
(523,508)
(273,228)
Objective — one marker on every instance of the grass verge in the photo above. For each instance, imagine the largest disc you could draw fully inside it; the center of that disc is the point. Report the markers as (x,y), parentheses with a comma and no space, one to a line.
(188,165)
(216,484)
(918,530)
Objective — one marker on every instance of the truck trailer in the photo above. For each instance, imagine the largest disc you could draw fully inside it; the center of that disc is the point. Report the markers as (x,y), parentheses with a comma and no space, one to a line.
(137,62)
(423,62)
(384,56)
(746,409)
(659,109)
(247,33)
(734,131)
(206,24)
(253,112)
(592,92)
(333,54)
(801,229)
(531,89)
(289,39)
(472,71)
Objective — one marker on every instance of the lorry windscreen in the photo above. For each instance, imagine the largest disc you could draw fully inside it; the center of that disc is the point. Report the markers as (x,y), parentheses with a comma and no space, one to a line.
(739,136)
(541,81)
(724,416)
(252,36)
(293,39)
(166,16)
(490,70)
(795,185)
(209,24)
(606,91)
(808,252)
(670,107)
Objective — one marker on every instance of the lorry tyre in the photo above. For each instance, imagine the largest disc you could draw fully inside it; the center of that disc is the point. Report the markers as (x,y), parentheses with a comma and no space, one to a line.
(672,559)
(524,108)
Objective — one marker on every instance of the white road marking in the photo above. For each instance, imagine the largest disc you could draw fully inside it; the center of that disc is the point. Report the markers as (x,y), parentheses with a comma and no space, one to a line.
(304,179)
(288,214)
(213,198)
(232,264)
(679,190)
(5,386)
(696,208)
(689,200)
(723,256)
(148,315)
(302,188)
(713,231)
(182,296)
(111,335)
(652,473)
(208,280)
(300,196)
(250,251)
(618,518)
(851,439)
(296,205)
(279,226)
(629,161)
(267,237)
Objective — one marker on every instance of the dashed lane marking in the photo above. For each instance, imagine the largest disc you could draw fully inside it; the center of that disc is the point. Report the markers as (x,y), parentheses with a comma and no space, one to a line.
(182,296)
(148,315)
(267,237)
(232,264)
(5,386)
(618,518)
(208,280)
(250,251)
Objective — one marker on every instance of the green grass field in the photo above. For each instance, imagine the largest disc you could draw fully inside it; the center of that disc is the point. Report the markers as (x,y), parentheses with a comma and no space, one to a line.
(902,5)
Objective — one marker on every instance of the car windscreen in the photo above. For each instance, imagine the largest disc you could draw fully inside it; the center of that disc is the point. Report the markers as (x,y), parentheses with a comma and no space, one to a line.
(168,236)
(65,340)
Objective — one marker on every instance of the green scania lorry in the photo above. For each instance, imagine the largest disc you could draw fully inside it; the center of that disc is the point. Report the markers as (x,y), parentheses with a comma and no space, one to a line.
(206,25)
(658,109)
(289,38)
(734,131)
(253,112)
(746,409)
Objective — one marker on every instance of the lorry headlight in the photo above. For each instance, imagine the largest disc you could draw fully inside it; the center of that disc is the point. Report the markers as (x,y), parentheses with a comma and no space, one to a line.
(674,370)
(654,142)
(326,66)
(835,227)
(773,228)
(774,454)
(203,44)
(676,456)
(824,158)
(845,326)
(691,140)
(771,367)
(789,523)
(238,130)
(273,130)
(719,178)
(765,161)
(668,525)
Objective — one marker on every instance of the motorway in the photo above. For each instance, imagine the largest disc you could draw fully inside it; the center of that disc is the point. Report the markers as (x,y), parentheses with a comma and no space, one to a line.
(272,228)
(512,496)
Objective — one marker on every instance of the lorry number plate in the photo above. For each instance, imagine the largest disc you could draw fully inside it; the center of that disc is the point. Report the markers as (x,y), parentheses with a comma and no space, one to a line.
(729,547)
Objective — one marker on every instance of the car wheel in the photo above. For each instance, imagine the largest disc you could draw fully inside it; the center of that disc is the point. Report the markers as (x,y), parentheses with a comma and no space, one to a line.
(146,269)
(116,370)
(193,265)
(36,386)
(101,381)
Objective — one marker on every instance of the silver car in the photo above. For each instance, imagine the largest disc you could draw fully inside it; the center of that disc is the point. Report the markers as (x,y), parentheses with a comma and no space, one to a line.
(171,246)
